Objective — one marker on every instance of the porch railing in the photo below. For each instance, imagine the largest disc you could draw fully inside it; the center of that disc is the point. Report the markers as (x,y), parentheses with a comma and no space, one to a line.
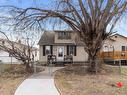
(114,55)
(67,58)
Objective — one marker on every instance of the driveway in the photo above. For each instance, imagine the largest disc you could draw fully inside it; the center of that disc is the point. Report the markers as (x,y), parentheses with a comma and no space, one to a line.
(39,84)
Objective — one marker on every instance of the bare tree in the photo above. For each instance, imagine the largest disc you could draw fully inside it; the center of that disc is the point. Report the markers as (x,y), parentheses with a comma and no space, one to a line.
(89,18)
(19,51)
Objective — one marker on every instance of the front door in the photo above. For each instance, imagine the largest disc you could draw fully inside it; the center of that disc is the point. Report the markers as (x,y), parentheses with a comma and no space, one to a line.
(60,53)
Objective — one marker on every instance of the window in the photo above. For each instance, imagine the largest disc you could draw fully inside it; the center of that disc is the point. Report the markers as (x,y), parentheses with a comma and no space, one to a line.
(47,50)
(115,36)
(71,50)
(126,48)
(3,42)
(123,48)
(64,35)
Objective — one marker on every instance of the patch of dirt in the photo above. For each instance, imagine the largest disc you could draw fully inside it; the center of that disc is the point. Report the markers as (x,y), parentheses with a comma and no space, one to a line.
(75,80)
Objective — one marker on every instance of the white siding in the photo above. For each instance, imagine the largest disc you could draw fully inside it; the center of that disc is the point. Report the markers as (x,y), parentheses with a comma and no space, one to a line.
(119,41)
(81,55)
(4,57)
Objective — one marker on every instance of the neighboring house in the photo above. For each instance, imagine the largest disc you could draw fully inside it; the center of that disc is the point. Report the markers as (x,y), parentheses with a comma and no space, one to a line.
(35,52)
(115,48)
(61,43)
(6,58)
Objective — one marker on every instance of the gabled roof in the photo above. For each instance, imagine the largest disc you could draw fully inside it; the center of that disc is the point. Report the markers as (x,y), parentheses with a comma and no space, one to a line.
(119,35)
(47,38)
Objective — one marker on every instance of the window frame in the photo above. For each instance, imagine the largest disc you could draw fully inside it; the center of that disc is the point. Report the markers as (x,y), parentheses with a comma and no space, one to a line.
(72,48)
(49,47)
(123,48)
(64,35)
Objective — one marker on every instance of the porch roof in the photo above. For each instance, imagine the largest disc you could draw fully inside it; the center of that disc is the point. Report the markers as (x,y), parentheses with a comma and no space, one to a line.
(47,38)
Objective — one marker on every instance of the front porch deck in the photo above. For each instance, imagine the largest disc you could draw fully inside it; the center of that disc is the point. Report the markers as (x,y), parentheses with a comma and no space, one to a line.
(114,55)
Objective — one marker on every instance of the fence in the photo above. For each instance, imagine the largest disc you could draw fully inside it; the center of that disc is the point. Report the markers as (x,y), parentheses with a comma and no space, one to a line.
(6,62)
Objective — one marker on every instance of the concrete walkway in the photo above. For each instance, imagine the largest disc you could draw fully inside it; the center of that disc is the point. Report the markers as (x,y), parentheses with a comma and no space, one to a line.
(39,84)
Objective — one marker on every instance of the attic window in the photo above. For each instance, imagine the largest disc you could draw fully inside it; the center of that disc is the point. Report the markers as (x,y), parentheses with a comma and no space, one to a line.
(3,42)
(115,36)
(64,35)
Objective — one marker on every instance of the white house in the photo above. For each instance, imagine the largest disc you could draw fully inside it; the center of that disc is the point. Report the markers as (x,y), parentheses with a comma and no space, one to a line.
(6,58)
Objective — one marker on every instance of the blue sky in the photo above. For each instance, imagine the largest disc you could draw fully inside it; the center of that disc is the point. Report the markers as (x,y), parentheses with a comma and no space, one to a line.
(121,26)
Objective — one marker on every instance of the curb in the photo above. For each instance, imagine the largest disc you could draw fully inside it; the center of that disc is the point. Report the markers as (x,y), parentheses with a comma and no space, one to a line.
(59,91)
(56,84)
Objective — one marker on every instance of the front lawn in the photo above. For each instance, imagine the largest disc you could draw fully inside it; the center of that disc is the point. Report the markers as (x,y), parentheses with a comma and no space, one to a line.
(76,81)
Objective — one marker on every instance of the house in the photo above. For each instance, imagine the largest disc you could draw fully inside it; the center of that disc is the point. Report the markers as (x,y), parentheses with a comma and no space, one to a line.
(62,43)
(7,58)
(115,48)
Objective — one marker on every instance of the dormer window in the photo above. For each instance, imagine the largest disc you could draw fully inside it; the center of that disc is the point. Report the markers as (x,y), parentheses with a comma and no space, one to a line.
(115,36)
(64,35)
(3,42)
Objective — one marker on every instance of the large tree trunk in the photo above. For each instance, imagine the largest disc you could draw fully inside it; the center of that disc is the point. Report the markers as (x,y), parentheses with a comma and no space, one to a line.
(93,66)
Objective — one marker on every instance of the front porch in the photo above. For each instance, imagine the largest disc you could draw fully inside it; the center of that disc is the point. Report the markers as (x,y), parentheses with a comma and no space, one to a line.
(51,59)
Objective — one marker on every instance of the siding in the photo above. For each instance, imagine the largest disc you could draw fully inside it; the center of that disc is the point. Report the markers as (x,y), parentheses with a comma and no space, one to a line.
(80,56)
(120,41)
(4,57)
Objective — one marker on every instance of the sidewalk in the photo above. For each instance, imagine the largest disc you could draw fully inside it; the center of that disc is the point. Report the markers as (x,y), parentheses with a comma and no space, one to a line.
(39,84)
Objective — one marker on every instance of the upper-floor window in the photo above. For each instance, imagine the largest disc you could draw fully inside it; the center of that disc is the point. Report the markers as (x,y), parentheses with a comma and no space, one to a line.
(3,42)
(64,35)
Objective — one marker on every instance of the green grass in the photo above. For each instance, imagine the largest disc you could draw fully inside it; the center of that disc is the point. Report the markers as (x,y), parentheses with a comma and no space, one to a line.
(124,70)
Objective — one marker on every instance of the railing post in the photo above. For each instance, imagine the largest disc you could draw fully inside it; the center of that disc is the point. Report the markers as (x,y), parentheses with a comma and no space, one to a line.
(120,66)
